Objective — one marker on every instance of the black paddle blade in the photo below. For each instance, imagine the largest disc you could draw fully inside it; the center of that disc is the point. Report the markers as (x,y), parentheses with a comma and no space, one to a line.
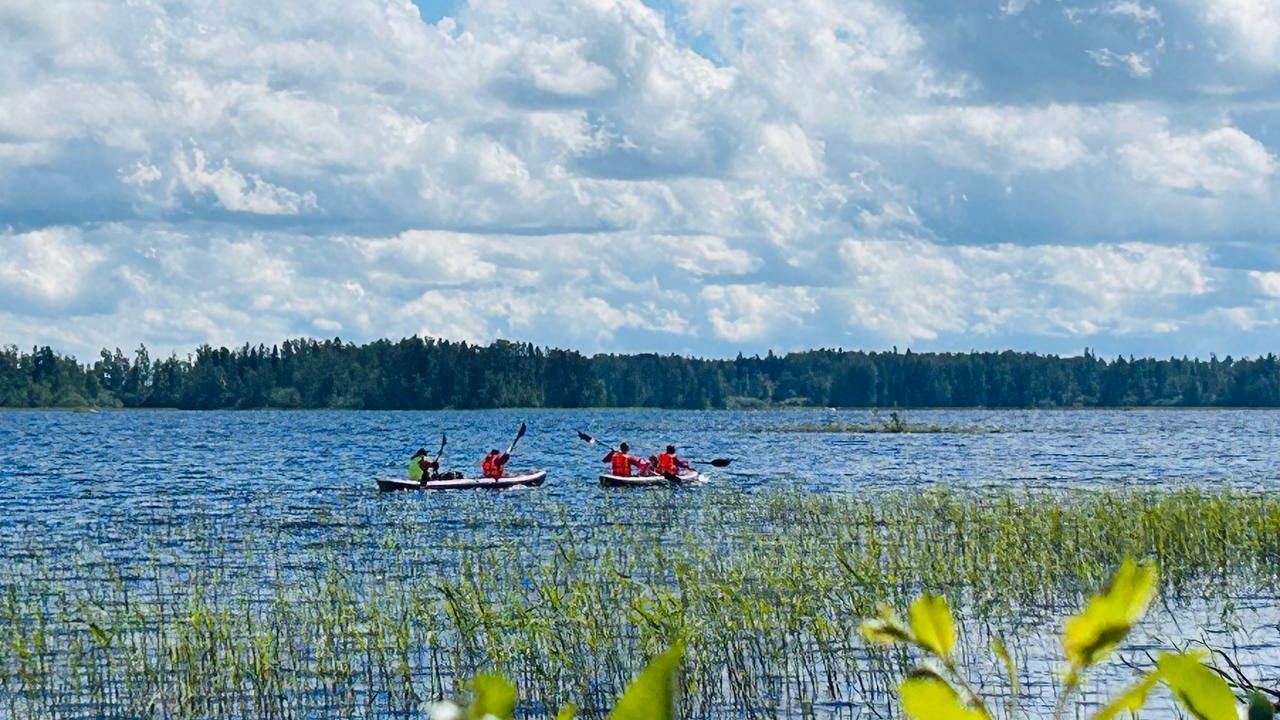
(721,462)
(672,478)
(443,439)
(586,437)
(520,434)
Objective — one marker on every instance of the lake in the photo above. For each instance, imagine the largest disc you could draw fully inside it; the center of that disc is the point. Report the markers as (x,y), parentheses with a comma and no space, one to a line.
(257,498)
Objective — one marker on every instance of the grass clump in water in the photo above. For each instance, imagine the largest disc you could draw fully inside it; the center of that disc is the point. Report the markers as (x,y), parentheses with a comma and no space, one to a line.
(242,615)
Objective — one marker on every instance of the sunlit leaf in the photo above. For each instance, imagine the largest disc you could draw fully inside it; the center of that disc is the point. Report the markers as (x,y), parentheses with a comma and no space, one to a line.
(494,696)
(1131,700)
(886,629)
(926,696)
(568,712)
(1200,690)
(1094,633)
(652,695)
(1002,652)
(1260,708)
(932,625)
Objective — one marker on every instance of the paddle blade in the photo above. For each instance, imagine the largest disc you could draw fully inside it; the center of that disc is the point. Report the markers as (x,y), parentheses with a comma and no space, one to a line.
(520,434)
(672,478)
(586,437)
(443,439)
(721,462)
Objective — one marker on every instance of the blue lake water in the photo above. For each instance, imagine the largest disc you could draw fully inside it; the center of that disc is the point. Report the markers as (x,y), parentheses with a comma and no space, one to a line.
(119,479)
(61,468)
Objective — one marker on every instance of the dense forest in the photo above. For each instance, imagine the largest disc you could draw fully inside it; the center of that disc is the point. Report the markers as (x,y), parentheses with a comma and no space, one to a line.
(418,373)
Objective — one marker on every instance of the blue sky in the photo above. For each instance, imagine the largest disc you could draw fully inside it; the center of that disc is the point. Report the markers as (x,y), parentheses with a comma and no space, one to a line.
(705,177)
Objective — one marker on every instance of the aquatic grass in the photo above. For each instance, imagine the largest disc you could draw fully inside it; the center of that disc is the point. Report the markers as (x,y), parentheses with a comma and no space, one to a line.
(236,614)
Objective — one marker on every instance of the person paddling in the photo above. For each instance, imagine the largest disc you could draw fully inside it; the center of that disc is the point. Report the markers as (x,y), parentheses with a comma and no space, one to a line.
(420,468)
(621,462)
(494,464)
(669,464)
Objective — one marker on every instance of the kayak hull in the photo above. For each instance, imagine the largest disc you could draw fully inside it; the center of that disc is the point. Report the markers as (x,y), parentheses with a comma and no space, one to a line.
(533,478)
(647,480)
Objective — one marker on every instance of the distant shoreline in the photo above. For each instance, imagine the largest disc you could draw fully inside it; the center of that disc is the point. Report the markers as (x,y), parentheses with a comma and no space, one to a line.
(426,373)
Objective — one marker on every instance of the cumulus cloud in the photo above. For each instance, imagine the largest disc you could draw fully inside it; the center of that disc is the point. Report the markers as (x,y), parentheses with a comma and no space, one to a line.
(1216,162)
(696,177)
(1253,25)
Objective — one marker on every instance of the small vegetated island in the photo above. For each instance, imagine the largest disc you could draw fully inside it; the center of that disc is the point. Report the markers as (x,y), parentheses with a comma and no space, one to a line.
(426,373)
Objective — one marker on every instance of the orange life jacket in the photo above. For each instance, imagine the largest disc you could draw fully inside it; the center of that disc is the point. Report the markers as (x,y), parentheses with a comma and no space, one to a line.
(621,464)
(491,467)
(667,464)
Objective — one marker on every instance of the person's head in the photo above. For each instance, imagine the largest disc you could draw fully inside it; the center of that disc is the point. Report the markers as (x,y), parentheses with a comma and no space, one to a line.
(422,452)
(671,449)
(653,459)
(624,447)
(494,451)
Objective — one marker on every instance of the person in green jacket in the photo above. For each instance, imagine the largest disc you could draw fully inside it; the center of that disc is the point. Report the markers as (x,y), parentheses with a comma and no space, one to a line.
(420,468)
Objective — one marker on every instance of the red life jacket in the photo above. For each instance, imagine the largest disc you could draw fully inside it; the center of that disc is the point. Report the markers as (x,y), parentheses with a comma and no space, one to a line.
(667,464)
(491,467)
(621,464)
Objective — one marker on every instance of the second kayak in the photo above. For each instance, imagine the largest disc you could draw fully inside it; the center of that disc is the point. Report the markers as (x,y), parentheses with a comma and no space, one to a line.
(686,477)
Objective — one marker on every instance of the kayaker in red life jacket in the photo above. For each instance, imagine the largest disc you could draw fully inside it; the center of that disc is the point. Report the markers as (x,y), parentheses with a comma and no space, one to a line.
(669,464)
(494,463)
(621,463)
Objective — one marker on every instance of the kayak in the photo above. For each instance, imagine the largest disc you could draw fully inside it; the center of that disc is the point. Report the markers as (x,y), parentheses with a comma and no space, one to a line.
(689,476)
(532,478)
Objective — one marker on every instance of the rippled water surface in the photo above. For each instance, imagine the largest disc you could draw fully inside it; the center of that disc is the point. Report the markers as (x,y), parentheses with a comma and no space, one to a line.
(122,477)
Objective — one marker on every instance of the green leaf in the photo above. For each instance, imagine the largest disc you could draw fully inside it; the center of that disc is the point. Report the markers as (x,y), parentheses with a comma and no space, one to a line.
(1131,700)
(494,696)
(932,624)
(886,629)
(1094,633)
(997,645)
(652,695)
(1200,690)
(1260,708)
(926,696)
(568,712)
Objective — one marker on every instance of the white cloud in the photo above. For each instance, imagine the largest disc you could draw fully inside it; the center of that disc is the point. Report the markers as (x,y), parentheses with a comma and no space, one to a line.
(237,193)
(1216,162)
(520,166)
(910,291)
(48,269)
(1136,64)
(742,313)
(1253,25)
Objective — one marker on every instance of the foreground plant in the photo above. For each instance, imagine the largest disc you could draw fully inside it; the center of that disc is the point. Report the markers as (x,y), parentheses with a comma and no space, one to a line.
(651,696)
(939,690)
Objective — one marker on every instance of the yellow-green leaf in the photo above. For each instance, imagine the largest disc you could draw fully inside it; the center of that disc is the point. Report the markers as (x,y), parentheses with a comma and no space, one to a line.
(493,696)
(1094,633)
(886,629)
(932,624)
(926,696)
(1200,690)
(652,695)
(568,712)
(884,632)
(1131,700)
(997,645)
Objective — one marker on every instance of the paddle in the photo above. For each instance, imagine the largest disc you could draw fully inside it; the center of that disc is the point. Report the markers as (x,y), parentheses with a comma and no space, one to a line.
(443,440)
(519,434)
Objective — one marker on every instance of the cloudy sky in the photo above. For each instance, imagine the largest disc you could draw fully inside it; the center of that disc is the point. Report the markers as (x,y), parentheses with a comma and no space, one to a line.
(694,176)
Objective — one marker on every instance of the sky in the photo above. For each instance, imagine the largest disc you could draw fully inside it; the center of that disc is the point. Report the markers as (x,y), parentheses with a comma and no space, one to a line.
(703,177)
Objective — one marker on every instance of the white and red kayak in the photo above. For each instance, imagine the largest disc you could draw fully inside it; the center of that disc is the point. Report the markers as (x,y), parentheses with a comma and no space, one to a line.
(530,478)
(683,478)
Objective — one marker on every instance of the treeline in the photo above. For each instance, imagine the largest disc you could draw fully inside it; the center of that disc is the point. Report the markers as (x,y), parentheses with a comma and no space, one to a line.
(418,373)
